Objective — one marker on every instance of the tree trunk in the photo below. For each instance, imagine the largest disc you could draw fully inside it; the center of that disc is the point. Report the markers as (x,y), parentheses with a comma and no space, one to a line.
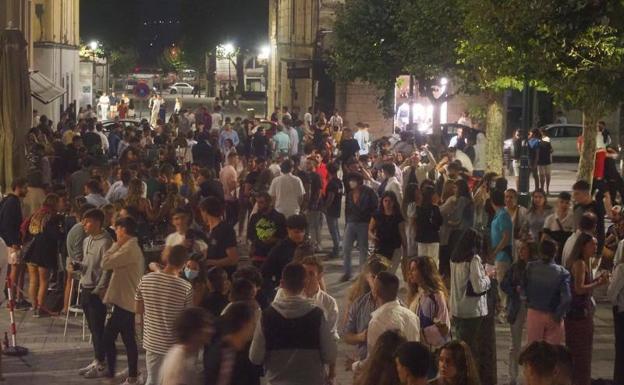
(495,129)
(436,131)
(588,150)
(240,73)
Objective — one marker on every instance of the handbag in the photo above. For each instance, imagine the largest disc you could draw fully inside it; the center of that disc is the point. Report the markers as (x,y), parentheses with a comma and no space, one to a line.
(470,292)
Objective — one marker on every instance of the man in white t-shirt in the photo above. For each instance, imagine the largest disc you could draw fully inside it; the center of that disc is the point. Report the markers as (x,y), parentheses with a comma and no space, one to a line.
(160,298)
(217,119)
(389,315)
(363,138)
(181,220)
(287,191)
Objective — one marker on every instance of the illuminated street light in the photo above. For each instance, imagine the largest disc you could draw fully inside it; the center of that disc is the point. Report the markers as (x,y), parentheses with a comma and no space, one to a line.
(228,49)
(93,45)
(264,52)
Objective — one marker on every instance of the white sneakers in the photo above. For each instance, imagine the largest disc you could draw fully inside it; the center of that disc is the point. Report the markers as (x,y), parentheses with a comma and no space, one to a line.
(96,371)
(87,368)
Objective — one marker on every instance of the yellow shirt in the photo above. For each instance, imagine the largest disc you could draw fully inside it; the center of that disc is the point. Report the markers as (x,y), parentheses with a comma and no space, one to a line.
(68,136)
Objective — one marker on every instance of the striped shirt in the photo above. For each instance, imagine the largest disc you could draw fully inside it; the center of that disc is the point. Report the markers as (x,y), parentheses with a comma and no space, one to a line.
(164,297)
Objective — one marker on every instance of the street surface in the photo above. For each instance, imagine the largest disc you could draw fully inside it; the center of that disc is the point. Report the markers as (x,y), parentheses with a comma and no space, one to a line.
(54,359)
(190,102)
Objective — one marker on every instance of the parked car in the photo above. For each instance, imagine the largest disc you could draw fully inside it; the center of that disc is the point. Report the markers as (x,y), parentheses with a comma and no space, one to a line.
(181,88)
(563,139)
(125,123)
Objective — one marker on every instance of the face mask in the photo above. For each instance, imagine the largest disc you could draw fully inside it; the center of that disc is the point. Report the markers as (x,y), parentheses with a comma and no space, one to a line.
(353,184)
(190,274)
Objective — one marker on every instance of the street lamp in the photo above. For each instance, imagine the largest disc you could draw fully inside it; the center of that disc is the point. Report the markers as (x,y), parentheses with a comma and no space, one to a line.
(93,45)
(263,55)
(264,52)
(226,51)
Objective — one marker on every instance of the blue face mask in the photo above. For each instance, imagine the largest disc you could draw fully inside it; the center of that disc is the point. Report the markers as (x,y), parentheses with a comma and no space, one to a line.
(190,274)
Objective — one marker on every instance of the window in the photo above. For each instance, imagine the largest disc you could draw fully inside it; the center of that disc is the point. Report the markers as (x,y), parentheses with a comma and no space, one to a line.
(572,131)
(554,132)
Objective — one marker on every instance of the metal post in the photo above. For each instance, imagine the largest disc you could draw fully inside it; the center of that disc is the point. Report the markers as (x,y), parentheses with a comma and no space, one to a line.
(523,183)
(266,89)
(93,80)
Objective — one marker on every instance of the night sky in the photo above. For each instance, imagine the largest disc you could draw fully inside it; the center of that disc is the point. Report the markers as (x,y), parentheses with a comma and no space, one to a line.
(151,25)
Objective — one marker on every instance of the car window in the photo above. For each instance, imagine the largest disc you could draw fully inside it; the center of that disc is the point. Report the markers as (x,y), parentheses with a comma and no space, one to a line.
(573,131)
(553,132)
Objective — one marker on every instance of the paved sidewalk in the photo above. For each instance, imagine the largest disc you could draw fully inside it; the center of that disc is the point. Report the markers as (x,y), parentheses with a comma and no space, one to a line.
(54,359)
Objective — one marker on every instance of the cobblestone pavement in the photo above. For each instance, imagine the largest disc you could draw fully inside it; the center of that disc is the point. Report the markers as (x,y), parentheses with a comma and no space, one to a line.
(54,358)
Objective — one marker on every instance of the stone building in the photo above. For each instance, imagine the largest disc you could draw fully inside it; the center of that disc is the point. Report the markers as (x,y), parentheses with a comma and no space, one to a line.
(51,28)
(299,36)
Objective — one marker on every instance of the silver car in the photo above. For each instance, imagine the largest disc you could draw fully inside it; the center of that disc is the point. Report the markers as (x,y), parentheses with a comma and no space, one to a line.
(181,88)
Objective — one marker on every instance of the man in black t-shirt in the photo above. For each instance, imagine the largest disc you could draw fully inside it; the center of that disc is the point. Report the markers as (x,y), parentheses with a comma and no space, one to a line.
(313,186)
(265,229)
(221,238)
(260,144)
(333,199)
(283,253)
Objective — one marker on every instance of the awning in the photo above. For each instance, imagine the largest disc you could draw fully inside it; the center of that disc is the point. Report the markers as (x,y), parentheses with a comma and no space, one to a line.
(43,88)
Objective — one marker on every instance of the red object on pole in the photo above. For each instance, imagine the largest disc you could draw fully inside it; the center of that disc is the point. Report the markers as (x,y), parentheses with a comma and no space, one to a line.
(13,349)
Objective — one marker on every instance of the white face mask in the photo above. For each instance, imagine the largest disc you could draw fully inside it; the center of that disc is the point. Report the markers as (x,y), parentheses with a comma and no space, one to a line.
(353,184)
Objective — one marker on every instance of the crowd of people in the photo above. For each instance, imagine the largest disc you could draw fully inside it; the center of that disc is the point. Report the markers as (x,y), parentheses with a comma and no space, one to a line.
(150,223)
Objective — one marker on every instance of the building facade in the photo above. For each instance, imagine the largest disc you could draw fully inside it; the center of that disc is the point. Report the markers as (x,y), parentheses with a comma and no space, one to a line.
(299,38)
(51,28)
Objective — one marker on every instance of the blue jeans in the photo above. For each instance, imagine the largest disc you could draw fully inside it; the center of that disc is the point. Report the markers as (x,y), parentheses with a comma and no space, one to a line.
(334,231)
(355,231)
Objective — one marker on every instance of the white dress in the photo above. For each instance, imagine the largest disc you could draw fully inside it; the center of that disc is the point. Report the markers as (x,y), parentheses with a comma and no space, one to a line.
(103,104)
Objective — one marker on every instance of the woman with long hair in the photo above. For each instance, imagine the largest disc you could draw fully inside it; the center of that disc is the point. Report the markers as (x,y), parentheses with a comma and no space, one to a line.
(427,299)
(456,365)
(579,323)
(469,285)
(411,200)
(135,198)
(387,230)
(44,235)
(458,214)
(536,216)
(380,368)
(172,201)
(481,196)
(360,305)
(189,187)
(428,222)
